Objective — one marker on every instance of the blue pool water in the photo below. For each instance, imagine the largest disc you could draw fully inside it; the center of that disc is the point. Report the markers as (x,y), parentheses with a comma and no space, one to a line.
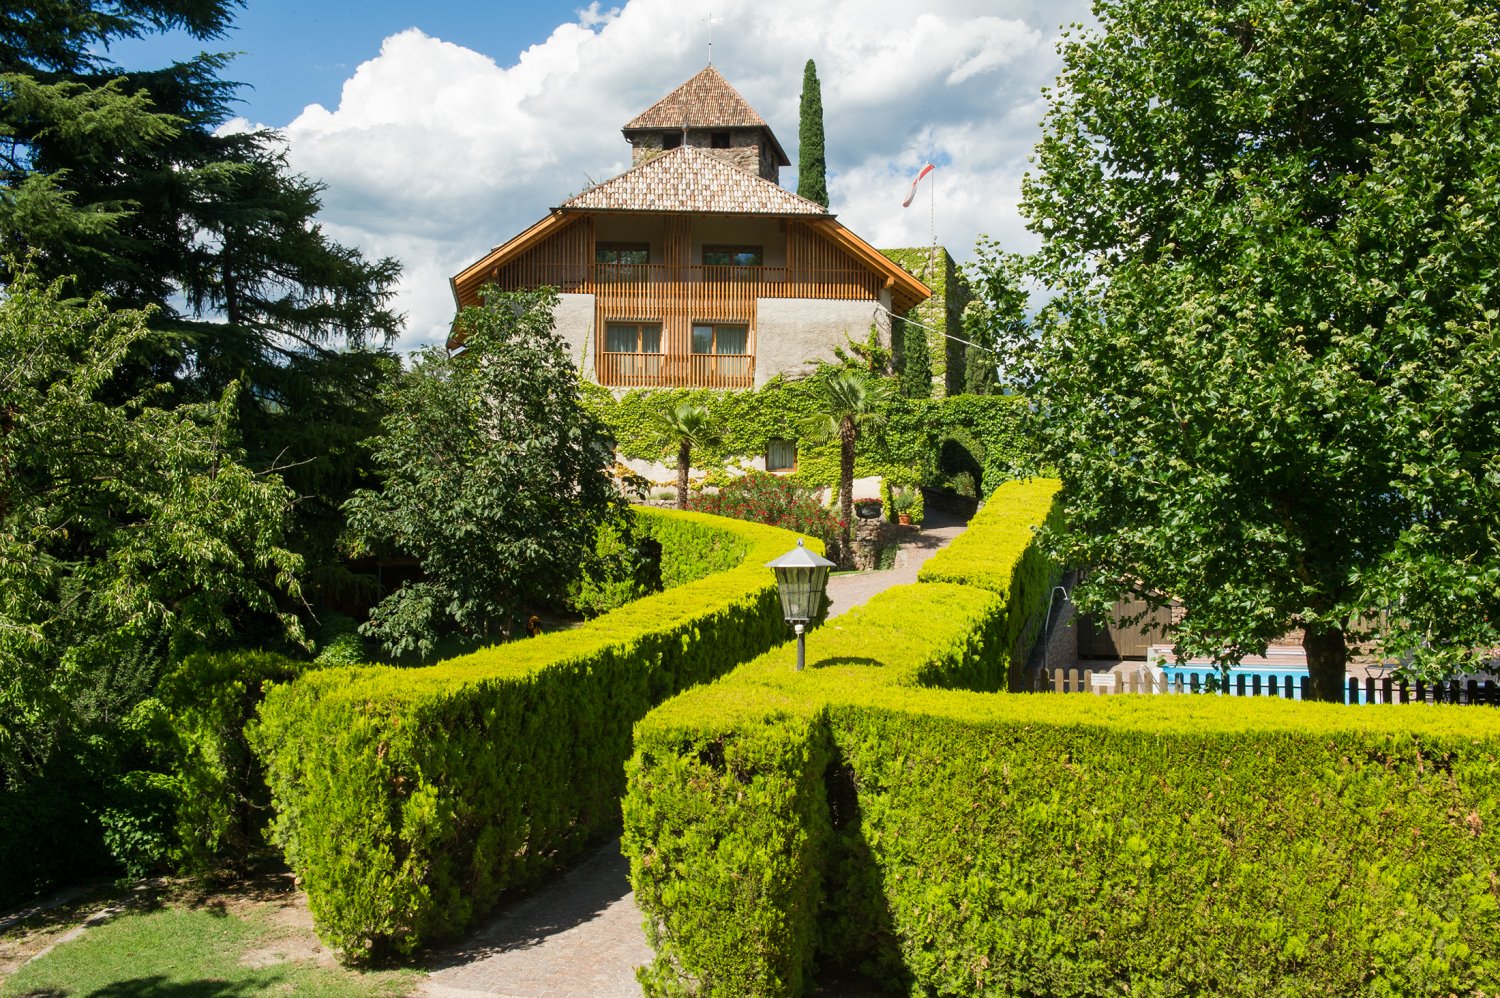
(1270,678)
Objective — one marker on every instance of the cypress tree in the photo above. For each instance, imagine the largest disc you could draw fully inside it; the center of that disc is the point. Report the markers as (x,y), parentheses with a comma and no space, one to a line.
(916,372)
(812,166)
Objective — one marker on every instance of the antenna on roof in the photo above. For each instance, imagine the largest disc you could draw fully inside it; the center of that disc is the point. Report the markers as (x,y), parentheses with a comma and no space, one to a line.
(710,20)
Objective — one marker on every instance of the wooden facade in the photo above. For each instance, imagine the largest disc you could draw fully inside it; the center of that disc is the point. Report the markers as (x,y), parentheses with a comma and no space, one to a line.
(678,292)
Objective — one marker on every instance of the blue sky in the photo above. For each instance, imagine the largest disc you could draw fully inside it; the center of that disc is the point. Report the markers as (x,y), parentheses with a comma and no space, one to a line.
(441,129)
(292,53)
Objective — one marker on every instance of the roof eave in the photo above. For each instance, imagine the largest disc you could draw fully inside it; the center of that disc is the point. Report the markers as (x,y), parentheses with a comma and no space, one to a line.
(898,280)
(472,276)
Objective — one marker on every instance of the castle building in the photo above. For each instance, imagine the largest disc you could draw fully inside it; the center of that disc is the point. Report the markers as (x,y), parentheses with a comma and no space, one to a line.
(695,267)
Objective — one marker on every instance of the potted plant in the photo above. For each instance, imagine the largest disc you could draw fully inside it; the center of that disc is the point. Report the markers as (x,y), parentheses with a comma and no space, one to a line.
(867,509)
(902,499)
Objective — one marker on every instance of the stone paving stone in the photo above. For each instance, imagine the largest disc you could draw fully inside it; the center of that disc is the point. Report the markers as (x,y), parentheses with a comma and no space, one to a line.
(579,936)
(847,591)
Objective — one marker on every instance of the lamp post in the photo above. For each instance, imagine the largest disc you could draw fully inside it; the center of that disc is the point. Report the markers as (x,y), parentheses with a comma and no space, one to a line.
(801,578)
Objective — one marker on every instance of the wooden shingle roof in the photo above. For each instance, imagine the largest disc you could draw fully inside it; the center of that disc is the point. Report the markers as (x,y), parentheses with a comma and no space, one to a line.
(689,179)
(705,101)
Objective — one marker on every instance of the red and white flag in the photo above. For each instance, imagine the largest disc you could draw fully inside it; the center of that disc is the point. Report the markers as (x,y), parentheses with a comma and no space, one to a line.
(925,171)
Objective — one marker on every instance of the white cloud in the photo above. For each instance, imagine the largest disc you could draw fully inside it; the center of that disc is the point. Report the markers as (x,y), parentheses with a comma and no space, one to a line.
(436,151)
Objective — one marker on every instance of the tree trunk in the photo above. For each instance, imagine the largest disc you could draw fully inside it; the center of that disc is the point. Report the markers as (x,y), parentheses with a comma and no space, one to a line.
(1327,659)
(684,460)
(846,497)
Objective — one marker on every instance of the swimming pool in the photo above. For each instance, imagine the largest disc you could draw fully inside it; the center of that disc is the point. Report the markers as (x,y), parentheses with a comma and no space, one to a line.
(1255,681)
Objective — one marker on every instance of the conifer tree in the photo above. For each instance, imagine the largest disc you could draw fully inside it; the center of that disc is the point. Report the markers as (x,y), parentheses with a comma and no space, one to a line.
(123,181)
(812,166)
(916,369)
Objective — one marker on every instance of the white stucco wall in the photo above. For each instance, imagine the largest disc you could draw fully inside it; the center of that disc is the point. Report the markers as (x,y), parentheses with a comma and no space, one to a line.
(790,333)
(575,324)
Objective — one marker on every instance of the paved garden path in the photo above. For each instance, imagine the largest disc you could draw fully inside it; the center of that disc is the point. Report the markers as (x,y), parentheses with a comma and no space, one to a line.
(845,592)
(581,937)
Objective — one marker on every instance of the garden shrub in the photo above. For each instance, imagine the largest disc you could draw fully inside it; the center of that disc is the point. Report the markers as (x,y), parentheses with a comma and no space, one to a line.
(693,547)
(170,788)
(49,824)
(906,483)
(221,797)
(998,552)
(772,499)
(408,800)
(339,641)
(874,812)
(625,566)
(192,797)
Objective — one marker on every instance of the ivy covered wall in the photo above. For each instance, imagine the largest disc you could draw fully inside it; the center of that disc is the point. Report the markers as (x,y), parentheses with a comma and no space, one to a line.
(905,451)
(942,313)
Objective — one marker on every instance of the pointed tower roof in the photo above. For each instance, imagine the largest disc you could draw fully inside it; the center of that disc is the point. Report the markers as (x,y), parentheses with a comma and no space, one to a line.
(705,101)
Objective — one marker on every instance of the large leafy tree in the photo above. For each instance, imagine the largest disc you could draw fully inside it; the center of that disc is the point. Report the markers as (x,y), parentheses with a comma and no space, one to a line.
(995,322)
(493,476)
(847,403)
(812,162)
(1267,375)
(129,182)
(126,530)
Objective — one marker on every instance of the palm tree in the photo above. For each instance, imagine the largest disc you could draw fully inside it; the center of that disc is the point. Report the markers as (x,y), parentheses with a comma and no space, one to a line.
(849,401)
(685,425)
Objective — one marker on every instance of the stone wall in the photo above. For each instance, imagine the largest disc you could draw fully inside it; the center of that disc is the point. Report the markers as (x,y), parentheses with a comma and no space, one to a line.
(575,324)
(941,314)
(749,149)
(869,537)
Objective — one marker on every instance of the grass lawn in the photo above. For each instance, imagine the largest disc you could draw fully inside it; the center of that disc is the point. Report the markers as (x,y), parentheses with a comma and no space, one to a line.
(224,946)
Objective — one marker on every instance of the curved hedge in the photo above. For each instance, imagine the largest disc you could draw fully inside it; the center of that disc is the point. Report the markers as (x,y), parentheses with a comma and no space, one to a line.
(408,800)
(951,842)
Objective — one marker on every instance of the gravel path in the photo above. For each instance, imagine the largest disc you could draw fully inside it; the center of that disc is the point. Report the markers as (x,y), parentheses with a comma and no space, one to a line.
(581,937)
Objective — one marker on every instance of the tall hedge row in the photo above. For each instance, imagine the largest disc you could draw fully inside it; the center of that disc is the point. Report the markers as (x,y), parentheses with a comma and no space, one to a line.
(874,813)
(408,800)
(998,553)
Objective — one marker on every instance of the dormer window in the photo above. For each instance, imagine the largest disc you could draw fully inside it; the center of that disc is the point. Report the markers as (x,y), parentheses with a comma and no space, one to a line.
(718,140)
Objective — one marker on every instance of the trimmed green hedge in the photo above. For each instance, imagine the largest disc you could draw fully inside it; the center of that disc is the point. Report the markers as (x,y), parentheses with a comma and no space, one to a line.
(409,799)
(871,812)
(997,553)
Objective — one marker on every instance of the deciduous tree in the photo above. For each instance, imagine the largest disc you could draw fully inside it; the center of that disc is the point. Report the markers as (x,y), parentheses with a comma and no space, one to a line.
(126,530)
(492,475)
(1267,375)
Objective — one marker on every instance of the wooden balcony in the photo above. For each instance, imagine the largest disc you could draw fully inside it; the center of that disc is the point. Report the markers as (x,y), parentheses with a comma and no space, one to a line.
(662,370)
(636,281)
(677,297)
